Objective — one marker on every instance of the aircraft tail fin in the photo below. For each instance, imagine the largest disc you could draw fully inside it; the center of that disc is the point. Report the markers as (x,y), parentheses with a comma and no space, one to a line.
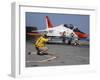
(48,22)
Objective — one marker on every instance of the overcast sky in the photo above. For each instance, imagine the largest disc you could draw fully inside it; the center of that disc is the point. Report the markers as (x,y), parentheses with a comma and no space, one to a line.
(38,20)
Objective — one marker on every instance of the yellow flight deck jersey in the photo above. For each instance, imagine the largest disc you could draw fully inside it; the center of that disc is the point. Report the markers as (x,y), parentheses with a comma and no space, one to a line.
(41,42)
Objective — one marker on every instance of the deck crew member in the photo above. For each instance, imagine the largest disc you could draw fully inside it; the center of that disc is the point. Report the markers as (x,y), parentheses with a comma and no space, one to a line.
(40,45)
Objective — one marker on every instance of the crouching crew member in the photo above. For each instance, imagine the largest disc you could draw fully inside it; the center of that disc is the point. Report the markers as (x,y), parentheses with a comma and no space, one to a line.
(40,45)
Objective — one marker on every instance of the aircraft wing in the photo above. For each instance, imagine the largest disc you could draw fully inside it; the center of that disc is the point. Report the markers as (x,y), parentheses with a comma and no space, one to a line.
(39,30)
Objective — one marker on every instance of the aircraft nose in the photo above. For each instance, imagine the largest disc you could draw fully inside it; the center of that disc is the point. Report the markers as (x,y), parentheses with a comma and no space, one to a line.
(81,35)
(85,35)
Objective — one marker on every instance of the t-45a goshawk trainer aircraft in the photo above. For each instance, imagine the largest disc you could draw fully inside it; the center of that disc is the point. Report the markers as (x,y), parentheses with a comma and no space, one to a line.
(57,31)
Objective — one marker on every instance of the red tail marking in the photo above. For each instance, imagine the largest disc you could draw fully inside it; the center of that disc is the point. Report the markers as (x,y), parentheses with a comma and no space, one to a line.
(49,22)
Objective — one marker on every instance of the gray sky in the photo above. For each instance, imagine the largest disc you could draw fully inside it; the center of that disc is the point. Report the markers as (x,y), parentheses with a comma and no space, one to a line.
(38,20)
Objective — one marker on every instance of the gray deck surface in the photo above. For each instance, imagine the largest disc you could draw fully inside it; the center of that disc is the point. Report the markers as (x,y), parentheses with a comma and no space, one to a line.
(65,55)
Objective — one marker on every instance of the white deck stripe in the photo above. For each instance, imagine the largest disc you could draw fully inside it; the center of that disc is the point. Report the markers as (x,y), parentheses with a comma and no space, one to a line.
(32,53)
(45,60)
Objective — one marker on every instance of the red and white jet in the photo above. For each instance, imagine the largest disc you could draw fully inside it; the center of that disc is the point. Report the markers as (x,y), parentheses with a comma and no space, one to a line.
(56,31)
